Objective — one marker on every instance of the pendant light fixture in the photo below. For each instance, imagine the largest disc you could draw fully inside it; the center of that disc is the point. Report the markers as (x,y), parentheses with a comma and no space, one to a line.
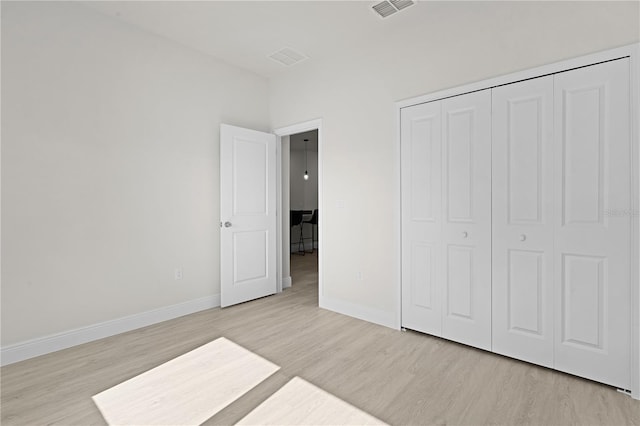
(306,174)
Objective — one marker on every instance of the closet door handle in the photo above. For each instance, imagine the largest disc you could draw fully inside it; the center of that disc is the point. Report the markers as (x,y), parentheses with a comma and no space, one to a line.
(465,234)
(523,237)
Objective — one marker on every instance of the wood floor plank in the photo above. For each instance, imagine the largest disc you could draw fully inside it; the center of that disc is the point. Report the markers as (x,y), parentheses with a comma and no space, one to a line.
(300,403)
(401,378)
(187,390)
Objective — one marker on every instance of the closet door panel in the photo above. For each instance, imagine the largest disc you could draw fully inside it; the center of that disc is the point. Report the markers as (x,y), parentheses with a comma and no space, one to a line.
(421,218)
(466,224)
(592,222)
(522,228)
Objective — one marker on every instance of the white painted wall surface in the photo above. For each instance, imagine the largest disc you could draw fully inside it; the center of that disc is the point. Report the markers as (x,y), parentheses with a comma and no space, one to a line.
(110,151)
(355,96)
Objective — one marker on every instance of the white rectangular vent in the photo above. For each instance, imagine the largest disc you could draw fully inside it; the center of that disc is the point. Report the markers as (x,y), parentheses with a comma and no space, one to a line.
(401,4)
(386,8)
(287,56)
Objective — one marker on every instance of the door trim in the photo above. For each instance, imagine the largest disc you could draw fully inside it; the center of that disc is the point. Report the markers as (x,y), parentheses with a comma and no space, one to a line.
(281,132)
(632,51)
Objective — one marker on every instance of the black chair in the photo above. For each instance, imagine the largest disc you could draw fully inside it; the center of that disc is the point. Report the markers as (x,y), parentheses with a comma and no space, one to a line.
(295,219)
(314,223)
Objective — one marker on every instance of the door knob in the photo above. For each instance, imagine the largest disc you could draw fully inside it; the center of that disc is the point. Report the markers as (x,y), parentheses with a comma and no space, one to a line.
(523,237)
(227,224)
(465,234)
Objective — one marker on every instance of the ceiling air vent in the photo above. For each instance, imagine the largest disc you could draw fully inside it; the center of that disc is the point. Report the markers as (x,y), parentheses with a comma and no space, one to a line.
(287,56)
(387,8)
(401,4)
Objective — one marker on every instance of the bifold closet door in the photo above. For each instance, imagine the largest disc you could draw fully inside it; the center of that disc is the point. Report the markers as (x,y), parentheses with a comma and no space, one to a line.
(421,211)
(522,229)
(446,218)
(466,219)
(592,222)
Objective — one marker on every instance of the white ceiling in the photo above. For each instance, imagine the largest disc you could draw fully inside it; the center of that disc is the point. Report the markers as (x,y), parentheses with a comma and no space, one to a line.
(244,33)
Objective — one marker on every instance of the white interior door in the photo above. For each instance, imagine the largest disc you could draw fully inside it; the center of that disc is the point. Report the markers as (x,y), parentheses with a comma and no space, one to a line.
(247,214)
(466,218)
(592,222)
(421,218)
(522,228)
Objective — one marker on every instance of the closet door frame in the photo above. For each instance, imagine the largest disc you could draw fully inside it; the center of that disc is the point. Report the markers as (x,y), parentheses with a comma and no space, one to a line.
(631,51)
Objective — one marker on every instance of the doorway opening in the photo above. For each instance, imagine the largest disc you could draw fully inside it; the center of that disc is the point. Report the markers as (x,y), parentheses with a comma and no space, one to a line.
(301,206)
(303,209)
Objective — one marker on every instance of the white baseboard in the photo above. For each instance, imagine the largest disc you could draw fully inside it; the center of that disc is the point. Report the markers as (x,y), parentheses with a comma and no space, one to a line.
(55,342)
(286,282)
(376,316)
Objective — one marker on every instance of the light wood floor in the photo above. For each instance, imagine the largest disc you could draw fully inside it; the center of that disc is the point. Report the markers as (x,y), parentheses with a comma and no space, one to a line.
(399,377)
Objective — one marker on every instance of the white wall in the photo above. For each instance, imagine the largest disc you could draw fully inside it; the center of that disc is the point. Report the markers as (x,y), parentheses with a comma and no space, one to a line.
(109,167)
(455,43)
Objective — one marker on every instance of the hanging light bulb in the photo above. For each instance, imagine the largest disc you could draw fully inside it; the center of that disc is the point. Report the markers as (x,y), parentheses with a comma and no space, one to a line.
(306,173)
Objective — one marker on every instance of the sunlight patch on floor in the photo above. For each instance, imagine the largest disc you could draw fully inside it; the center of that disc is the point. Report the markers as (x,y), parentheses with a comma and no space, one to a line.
(188,389)
(301,403)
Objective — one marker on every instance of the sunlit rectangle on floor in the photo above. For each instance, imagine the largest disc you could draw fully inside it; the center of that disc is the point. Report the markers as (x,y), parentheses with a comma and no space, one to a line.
(188,389)
(301,403)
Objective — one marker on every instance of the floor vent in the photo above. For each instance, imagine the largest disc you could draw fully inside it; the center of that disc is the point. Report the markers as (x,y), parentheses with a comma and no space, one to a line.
(386,8)
(287,56)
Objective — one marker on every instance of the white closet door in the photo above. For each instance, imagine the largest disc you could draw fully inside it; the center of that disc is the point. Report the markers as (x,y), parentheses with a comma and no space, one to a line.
(466,221)
(421,206)
(522,228)
(592,222)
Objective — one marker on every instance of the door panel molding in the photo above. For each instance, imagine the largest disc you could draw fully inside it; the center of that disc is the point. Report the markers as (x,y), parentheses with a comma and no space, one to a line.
(522,243)
(248,216)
